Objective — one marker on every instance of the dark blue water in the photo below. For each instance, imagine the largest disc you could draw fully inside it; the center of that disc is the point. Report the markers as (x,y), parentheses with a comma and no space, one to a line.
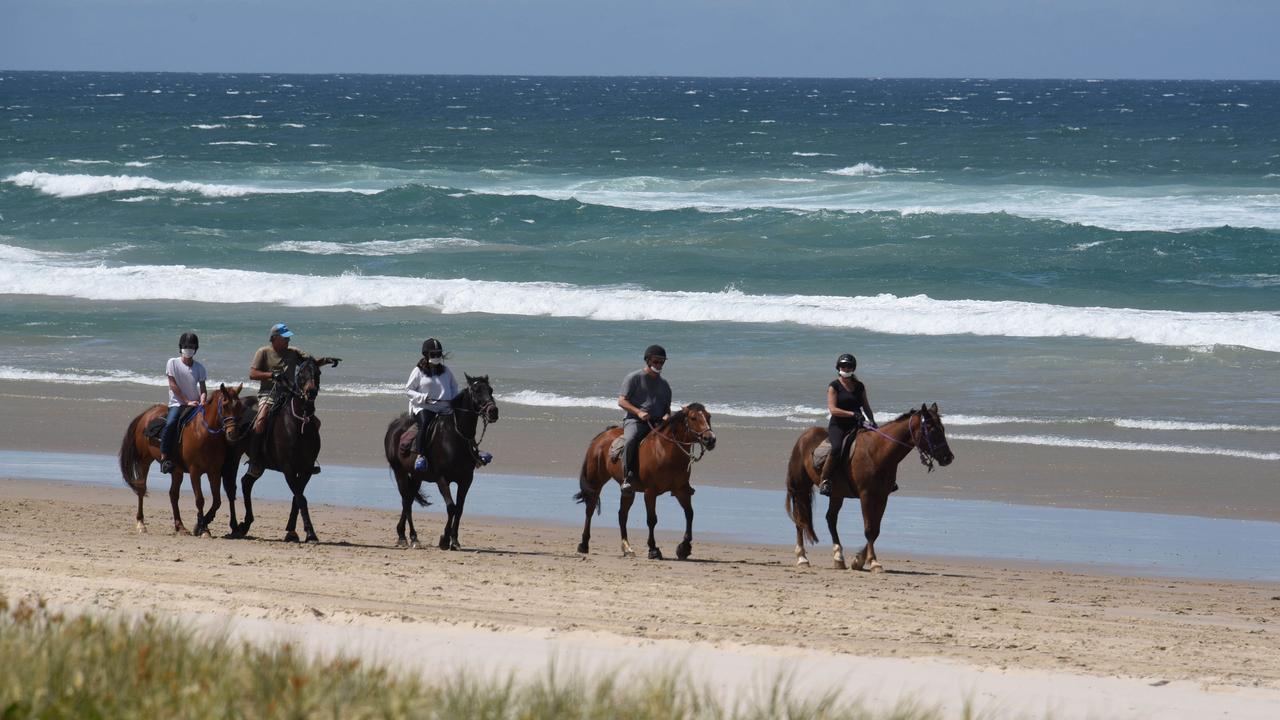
(1140,543)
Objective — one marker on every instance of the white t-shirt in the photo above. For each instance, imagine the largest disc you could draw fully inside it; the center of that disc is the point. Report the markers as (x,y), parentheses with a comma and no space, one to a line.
(431,392)
(188,379)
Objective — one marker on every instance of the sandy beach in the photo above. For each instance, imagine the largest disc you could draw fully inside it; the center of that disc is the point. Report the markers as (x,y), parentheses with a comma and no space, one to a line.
(1020,637)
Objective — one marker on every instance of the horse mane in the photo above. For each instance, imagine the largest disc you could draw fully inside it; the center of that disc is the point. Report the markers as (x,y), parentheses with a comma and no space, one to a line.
(905,415)
(679,415)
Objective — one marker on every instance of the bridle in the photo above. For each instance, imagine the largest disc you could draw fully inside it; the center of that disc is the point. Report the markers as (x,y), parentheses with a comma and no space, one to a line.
(700,439)
(223,424)
(922,431)
(481,412)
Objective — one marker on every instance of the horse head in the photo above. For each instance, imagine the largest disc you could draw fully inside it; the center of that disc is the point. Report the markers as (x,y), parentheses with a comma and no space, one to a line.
(229,407)
(932,436)
(482,397)
(697,421)
(306,379)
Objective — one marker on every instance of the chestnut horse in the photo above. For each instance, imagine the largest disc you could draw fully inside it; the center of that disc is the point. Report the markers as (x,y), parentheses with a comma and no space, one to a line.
(452,455)
(667,455)
(870,473)
(204,444)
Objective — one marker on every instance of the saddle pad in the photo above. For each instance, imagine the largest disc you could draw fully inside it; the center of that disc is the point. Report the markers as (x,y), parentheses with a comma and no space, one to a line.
(406,441)
(615,449)
(823,451)
(156,426)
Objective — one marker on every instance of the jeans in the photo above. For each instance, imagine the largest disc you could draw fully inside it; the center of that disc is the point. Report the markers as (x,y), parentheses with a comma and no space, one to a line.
(424,418)
(634,431)
(166,437)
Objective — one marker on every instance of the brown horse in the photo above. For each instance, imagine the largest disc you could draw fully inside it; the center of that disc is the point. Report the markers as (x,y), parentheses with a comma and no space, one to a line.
(870,473)
(667,455)
(203,446)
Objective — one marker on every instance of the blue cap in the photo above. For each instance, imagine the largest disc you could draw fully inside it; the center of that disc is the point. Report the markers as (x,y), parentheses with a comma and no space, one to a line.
(282,330)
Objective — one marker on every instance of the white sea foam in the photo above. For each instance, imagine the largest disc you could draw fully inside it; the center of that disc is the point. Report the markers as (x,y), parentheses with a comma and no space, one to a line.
(207,126)
(373,248)
(913,315)
(136,164)
(77,185)
(241,117)
(75,161)
(292,125)
(241,142)
(862,169)
(1060,441)
(813,154)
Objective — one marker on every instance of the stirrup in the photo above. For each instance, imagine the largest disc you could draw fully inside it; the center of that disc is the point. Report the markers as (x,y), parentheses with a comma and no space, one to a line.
(485,458)
(824,488)
(420,464)
(166,466)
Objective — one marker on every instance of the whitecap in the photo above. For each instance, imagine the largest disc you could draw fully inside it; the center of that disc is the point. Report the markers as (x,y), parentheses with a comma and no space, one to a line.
(373,248)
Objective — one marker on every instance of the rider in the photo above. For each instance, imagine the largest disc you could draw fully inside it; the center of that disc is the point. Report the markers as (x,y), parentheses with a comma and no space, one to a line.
(431,389)
(186,389)
(846,401)
(268,365)
(645,396)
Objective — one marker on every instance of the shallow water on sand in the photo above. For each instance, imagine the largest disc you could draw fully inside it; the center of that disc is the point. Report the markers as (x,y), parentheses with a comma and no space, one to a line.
(1140,543)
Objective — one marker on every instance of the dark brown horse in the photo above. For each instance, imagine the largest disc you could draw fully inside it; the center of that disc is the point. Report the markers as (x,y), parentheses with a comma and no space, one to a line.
(870,474)
(452,455)
(667,455)
(290,445)
(202,448)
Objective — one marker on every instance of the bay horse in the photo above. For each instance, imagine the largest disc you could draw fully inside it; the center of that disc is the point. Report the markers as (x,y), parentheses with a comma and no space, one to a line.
(667,455)
(290,445)
(452,452)
(202,446)
(871,474)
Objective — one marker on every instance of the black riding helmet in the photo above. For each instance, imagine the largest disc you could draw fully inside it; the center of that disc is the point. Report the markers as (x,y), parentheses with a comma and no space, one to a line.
(432,345)
(655,351)
(847,359)
(188,340)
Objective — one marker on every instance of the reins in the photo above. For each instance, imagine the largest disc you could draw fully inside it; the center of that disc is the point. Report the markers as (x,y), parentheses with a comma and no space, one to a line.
(926,458)
(689,451)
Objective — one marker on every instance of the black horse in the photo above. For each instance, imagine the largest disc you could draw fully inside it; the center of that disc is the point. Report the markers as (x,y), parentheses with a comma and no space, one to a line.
(290,446)
(452,456)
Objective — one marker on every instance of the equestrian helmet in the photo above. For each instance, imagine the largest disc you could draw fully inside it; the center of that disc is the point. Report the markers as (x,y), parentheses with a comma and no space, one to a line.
(188,340)
(847,359)
(655,351)
(431,345)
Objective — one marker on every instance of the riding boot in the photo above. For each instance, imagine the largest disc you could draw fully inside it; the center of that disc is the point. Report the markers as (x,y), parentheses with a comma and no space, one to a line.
(257,446)
(824,488)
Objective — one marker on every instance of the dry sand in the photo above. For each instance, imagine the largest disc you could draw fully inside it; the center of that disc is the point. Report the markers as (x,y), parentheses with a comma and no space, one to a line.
(1011,638)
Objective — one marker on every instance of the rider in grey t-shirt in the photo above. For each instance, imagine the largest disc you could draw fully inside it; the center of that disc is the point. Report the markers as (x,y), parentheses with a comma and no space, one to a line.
(646,397)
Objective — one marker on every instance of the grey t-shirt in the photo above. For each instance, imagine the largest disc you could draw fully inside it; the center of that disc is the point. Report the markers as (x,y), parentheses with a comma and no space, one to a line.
(651,394)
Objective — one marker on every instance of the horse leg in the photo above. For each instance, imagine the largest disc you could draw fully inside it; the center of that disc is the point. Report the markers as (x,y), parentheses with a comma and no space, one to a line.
(624,509)
(142,469)
(872,512)
(590,502)
(195,474)
(406,506)
(308,529)
(651,518)
(246,487)
(450,508)
(175,486)
(229,483)
(685,548)
(802,559)
(215,489)
(833,515)
(463,488)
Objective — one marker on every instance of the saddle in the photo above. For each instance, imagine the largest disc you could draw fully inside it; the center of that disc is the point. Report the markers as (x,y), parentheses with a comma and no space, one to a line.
(405,446)
(156,426)
(615,449)
(823,451)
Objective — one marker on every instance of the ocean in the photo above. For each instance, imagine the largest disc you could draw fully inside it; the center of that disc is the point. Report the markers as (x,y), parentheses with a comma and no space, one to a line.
(1071,263)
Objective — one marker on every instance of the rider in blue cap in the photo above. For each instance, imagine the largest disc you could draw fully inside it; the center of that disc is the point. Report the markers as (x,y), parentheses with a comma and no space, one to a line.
(268,365)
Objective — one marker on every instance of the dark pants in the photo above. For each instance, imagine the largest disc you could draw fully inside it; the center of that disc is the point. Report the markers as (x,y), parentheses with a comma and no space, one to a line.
(166,436)
(838,434)
(634,431)
(424,418)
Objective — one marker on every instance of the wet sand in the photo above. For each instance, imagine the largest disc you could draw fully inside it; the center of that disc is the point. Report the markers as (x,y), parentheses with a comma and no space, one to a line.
(518,595)
(530,441)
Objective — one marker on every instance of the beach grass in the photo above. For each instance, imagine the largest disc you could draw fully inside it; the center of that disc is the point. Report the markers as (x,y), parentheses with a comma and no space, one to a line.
(88,666)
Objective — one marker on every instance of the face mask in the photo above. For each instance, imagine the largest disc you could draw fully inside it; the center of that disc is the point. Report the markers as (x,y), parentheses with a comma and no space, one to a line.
(188,352)
(435,360)
(656,369)
(845,373)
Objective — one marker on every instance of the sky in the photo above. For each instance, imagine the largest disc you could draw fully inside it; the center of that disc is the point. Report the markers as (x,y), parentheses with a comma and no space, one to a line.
(1181,39)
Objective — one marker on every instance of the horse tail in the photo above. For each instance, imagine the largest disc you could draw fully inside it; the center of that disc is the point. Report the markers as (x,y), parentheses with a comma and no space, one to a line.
(585,491)
(129,459)
(800,493)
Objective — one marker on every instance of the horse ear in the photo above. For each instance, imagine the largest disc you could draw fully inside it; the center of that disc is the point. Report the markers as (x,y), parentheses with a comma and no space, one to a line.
(923,409)
(468,377)
(935,409)
(239,388)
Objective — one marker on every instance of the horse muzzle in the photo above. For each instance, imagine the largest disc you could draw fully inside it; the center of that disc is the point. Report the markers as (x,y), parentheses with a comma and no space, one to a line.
(945,457)
(491,414)
(709,442)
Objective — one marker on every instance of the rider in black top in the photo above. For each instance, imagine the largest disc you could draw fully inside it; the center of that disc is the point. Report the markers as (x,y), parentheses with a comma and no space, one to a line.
(847,403)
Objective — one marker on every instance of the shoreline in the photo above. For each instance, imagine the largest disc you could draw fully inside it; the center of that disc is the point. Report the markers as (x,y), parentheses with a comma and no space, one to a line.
(43,416)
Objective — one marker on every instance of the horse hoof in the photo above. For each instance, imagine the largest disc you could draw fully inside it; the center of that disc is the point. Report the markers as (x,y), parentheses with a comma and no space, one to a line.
(415,545)
(444,542)
(292,537)
(401,542)
(312,538)
(802,562)
(180,530)
(628,554)
(454,545)
(583,549)
(141,527)
(876,568)
(839,565)
(684,550)
(655,554)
